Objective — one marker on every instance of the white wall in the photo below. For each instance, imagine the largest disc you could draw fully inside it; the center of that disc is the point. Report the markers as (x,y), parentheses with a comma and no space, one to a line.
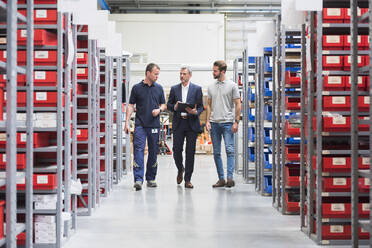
(172,40)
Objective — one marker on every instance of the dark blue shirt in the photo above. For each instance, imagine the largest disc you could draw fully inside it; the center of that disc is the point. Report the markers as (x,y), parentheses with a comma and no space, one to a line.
(147,98)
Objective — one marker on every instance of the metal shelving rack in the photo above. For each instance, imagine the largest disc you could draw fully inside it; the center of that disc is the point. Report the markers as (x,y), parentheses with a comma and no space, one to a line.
(238,80)
(126,73)
(318,194)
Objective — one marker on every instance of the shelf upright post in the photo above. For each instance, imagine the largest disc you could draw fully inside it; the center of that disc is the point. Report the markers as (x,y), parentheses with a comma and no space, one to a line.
(274,127)
(370,117)
(262,124)
(303,119)
(279,114)
(107,126)
(256,128)
(90,124)
(30,124)
(319,145)
(128,153)
(282,124)
(67,116)
(245,116)
(74,125)
(119,118)
(11,129)
(92,128)
(236,137)
(59,129)
(98,123)
(310,130)
(354,124)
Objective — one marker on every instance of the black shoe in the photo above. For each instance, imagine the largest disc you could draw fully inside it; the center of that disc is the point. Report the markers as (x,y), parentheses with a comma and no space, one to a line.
(152,184)
(230,183)
(188,185)
(220,183)
(180,176)
(138,185)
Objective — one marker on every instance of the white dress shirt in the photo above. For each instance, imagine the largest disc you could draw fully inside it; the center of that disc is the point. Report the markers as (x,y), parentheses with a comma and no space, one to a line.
(185,90)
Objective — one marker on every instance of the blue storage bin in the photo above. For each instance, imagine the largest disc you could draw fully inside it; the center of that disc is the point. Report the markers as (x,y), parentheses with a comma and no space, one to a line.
(251,114)
(268,49)
(293,46)
(268,113)
(289,115)
(293,69)
(267,65)
(268,185)
(251,134)
(268,88)
(251,154)
(251,94)
(251,60)
(268,161)
(293,141)
(267,136)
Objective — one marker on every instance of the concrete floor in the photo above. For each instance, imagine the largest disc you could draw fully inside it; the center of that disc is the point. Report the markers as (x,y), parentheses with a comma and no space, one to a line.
(172,216)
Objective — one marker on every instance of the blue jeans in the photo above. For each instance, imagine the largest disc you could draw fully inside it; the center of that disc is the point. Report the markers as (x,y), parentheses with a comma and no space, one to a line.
(217,131)
(139,143)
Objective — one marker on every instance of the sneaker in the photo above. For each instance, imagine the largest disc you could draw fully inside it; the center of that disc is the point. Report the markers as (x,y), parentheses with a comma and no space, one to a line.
(138,185)
(220,183)
(230,183)
(152,184)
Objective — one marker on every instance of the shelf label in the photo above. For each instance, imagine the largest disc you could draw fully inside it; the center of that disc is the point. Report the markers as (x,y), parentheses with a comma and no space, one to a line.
(338,100)
(4,157)
(366,100)
(4,77)
(366,182)
(334,80)
(41,13)
(21,180)
(40,75)
(41,96)
(80,55)
(337,229)
(4,54)
(339,161)
(333,39)
(78,132)
(42,180)
(365,160)
(270,85)
(339,120)
(333,11)
(363,230)
(2,136)
(366,118)
(23,33)
(338,207)
(2,40)
(339,181)
(365,207)
(270,158)
(333,59)
(41,54)
(271,134)
(23,137)
(80,71)
(5,96)
(253,111)
(360,80)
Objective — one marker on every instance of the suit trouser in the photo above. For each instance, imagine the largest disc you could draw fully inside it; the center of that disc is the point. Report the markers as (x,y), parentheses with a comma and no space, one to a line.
(139,143)
(179,134)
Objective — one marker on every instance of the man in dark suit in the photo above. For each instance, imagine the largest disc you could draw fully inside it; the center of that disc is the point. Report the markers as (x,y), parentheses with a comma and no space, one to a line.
(185,124)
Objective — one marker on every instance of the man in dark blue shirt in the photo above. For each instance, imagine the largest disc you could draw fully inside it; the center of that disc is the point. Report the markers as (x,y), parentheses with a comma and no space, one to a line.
(148,96)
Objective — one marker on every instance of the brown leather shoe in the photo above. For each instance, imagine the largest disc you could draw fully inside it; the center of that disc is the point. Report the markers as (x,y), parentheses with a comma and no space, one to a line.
(189,185)
(220,183)
(230,183)
(180,176)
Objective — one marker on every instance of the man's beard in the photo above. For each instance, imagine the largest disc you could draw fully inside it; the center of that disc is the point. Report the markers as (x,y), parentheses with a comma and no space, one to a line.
(217,76)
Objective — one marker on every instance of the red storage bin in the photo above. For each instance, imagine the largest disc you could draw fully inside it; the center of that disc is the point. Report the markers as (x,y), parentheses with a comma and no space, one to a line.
(333,62)
(39,1)
(40,140)
(333,42)
(82,44)
(45,181)
(82,134)
(361,83)
(82,58)
(80,204)
(366,60)
(347,62)
(292,176)
(2,206)
(337,184)
(333,15)
(293,103)
(21,161)
(292,131)
(347,42)
(347,11)
(43,16)
(336,103)
(292,78)
(41,58)
(82,73)
(334,83)
(341,164)
(363,103)
(336,124)
(41,78)
(292,205)
(42,37)
(343,210)
(21,239)
(292,154)
(41,99)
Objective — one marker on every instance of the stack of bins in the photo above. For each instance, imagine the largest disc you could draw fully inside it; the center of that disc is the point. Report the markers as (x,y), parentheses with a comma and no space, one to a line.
(251,93)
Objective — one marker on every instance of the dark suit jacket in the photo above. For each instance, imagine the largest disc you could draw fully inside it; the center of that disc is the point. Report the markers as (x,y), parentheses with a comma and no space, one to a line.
(194,96)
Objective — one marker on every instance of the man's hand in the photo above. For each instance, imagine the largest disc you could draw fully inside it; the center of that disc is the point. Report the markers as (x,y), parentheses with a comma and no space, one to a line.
(235,127)
(208,126)
(156,112)
(176,106)
(191,111)
(126,128)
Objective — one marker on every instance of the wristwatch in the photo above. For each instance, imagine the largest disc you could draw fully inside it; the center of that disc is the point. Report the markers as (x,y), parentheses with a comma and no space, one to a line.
(237,121)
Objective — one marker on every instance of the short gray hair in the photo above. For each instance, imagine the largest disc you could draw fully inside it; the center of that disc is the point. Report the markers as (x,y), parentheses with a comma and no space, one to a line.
(186,68)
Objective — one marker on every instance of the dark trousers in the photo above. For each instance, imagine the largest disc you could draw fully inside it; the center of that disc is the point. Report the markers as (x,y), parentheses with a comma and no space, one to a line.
(183,130)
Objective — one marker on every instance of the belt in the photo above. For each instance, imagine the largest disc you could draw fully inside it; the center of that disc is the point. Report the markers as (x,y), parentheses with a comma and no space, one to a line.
(184,117)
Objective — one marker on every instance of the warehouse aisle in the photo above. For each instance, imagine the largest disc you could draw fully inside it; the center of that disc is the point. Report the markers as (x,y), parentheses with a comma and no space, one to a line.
(172,216)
